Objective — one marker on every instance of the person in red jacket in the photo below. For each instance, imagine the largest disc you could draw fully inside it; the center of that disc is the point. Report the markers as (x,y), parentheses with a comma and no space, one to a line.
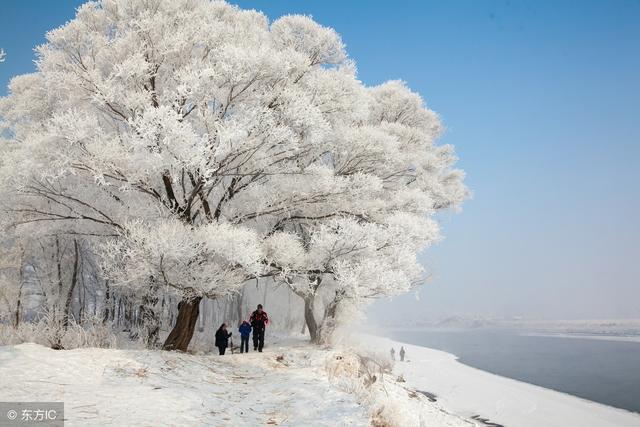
(259,320)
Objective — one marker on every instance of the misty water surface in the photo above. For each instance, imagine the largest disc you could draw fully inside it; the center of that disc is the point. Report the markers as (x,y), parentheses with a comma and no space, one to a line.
(603,371)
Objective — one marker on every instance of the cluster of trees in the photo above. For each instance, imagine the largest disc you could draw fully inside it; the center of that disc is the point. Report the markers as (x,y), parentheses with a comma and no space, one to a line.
(189,147)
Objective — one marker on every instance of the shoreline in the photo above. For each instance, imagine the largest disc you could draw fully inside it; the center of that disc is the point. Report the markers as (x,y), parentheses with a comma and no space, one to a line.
(586,336)
(525,332)
(472,392)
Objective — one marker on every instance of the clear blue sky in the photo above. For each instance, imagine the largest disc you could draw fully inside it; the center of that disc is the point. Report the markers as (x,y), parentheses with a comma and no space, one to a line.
(541,100)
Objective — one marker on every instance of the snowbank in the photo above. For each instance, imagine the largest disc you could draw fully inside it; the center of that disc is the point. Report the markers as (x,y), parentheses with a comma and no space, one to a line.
(471,392)
(289,385)
(110,387)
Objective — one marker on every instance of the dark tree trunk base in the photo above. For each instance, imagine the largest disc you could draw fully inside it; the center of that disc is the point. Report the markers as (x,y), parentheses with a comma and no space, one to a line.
(182,332)
(328,324)
(310,319)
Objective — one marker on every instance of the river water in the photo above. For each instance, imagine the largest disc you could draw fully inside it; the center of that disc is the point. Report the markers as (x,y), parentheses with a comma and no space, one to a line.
(603,371)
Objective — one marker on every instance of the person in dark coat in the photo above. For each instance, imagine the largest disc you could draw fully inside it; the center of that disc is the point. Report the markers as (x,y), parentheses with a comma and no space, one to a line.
(245,331)
(259,321)
(222,338)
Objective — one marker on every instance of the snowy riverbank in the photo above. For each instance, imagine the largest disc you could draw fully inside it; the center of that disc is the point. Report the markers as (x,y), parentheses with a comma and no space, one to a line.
(471,392)
(291,384)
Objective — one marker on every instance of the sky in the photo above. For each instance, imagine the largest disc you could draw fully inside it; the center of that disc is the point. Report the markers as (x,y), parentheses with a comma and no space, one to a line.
(541,100)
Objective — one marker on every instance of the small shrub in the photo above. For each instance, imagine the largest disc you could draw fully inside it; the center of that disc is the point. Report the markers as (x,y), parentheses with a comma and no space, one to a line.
(50,330)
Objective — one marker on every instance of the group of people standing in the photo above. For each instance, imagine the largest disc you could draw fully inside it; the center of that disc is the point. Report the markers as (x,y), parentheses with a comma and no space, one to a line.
(393,354)
(257,323)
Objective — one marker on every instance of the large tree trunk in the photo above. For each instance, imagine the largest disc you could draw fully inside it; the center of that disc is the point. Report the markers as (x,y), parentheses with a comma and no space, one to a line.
(309,303)
(328,324)
(310,318)
(182,332)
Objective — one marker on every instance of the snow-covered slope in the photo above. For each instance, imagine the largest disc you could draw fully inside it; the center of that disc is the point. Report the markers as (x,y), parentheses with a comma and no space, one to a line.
(153,388)
(472,392)
(290,384)
(109,387)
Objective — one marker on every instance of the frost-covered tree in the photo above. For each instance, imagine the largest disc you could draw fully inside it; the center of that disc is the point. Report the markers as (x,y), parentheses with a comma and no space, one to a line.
(200,146)
(366,245)
(12,256)
(42,274)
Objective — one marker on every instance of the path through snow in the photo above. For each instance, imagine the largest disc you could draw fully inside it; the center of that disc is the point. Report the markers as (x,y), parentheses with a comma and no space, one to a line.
(152,388)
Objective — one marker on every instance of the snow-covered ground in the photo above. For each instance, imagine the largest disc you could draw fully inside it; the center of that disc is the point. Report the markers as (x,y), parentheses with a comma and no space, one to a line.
(291,384)
(154,388)
(110,387)
(471,392)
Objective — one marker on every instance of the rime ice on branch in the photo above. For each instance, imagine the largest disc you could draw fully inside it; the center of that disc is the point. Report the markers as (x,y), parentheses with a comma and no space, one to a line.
(199,146)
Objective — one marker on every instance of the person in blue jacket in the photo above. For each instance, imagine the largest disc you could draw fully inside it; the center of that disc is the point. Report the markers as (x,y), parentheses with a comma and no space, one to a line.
(245,331)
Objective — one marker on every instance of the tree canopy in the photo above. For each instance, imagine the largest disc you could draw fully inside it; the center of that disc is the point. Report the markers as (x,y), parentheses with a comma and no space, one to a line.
(198,145)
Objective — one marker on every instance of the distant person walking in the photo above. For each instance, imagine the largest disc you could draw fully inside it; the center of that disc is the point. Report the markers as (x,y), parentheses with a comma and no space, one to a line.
(222,338)
(245,331)
(402,353)
(393,354)
(259,321)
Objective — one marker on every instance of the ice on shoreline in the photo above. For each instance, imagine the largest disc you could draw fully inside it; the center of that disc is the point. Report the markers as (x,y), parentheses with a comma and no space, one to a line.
(472,392)
(601,327)
(585,336)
